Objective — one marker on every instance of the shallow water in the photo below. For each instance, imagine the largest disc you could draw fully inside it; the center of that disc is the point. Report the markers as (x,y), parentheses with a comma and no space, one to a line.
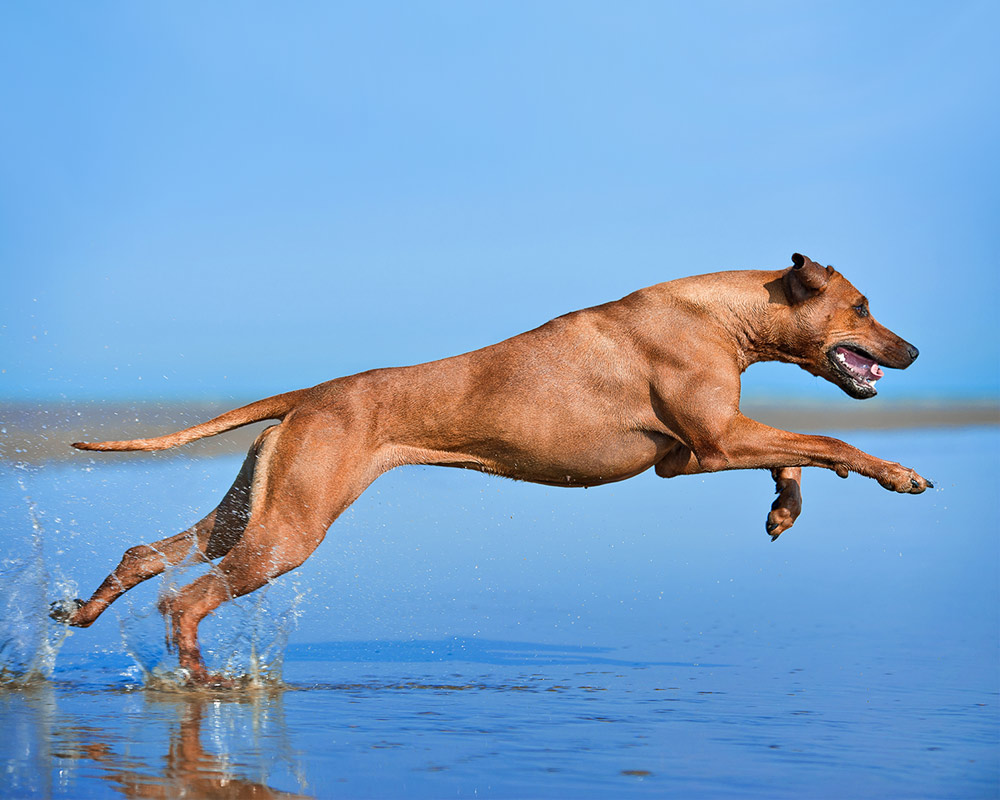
(458,635)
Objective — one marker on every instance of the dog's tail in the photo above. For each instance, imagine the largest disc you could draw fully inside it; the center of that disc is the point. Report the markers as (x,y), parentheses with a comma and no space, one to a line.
(269,408)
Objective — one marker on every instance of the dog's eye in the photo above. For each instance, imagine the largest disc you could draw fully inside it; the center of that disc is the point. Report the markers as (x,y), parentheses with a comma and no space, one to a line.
(861,310)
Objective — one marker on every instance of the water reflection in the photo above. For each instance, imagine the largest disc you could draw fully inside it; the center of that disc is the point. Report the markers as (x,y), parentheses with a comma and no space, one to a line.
(28,715)
(217,746)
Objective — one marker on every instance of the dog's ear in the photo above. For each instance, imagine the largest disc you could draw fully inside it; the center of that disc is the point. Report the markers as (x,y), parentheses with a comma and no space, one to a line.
(805,279)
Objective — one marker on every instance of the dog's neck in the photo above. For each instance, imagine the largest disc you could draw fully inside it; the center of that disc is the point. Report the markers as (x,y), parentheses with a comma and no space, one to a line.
(750,306)
(753,326)
(761,329)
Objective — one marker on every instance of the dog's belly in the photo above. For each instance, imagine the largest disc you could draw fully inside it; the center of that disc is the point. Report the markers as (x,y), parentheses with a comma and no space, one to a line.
(584,461)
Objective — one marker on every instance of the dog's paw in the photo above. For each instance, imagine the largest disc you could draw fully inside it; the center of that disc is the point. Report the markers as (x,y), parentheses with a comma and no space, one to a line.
(64,610)
(904,480)
(778,521)
(785,509)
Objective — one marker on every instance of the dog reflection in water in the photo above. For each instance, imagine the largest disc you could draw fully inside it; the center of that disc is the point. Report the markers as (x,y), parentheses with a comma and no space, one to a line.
(189,770)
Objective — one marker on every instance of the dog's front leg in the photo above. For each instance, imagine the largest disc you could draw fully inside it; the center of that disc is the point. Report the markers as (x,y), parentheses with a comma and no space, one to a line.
(748,444)
(679,460)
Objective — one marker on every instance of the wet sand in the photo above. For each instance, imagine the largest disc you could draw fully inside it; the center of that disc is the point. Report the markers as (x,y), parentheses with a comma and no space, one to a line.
(36,433)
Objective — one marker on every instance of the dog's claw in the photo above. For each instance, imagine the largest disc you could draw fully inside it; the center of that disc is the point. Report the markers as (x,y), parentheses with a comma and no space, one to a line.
(63,610)
(930,485)
(771,526)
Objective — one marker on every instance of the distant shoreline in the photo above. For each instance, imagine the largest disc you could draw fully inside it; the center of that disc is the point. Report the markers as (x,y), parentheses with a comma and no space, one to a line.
(41,432)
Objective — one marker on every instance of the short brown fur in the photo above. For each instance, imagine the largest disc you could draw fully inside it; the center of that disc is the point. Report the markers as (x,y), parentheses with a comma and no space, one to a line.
(595,396)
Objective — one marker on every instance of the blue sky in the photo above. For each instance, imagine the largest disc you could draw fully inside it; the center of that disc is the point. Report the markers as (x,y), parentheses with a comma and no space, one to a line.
(227,200)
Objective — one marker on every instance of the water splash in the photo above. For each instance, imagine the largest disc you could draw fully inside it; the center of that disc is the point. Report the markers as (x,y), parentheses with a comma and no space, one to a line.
(29,641)
(244,641)
(256,646)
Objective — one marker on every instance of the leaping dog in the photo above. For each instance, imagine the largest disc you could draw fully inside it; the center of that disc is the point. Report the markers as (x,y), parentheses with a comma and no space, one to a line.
(592,397)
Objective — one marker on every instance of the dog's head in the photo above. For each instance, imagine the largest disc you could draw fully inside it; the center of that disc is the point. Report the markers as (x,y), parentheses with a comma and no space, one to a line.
(832,332)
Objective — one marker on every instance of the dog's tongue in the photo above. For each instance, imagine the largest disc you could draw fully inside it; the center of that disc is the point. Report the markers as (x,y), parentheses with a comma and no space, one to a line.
(864,367)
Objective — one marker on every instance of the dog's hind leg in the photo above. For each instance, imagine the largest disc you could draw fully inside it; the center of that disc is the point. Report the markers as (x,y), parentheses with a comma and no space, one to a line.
(310,478)
(788,504)
(211,538)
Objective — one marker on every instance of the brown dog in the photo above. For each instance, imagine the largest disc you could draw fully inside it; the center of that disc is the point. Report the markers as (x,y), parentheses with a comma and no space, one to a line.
(599,395)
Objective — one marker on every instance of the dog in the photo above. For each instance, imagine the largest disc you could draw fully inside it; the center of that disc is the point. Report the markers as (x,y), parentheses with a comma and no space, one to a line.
(591,397)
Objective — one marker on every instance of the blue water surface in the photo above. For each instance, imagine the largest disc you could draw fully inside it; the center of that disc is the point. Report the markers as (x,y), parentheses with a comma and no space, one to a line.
(459,635)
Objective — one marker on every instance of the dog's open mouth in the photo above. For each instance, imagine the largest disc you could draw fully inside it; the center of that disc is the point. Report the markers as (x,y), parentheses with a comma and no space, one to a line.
(857,366)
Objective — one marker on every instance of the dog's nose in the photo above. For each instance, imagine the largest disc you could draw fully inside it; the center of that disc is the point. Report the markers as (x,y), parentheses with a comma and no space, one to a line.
(913,352)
